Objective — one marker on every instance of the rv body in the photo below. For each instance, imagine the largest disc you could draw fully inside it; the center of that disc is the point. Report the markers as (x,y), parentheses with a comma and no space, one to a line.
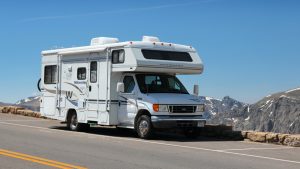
(125,84)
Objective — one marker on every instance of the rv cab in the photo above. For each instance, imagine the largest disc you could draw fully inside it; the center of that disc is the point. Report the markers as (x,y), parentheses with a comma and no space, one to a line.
(124,84)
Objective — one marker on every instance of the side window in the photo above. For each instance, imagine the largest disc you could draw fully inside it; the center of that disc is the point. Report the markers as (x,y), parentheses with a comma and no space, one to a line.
(118,56)
(81,73)
(93,72)
(50,74)
(128,84)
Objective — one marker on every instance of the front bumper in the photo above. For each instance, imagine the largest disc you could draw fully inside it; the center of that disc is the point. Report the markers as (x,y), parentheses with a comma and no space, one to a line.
(177,121)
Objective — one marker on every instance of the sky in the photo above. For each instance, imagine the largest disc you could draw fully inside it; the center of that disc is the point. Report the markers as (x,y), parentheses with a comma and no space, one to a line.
(250,49)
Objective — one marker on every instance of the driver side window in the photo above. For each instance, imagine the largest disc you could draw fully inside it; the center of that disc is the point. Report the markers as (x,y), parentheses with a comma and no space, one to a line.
(128,84)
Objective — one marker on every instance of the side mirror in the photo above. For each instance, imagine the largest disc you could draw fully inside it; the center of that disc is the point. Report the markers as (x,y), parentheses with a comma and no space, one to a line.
(196,90)
(120,87)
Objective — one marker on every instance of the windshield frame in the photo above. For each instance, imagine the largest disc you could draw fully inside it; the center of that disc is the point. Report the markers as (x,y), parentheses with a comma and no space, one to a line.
(145,89)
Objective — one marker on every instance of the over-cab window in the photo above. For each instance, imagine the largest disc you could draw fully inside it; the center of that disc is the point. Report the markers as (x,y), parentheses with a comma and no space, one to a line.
(93,72)
(50,74)
(167,55)
(128,84)
(118,56)
(81,73)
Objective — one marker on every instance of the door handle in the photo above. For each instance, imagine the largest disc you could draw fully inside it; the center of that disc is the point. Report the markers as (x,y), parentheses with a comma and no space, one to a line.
(90,88)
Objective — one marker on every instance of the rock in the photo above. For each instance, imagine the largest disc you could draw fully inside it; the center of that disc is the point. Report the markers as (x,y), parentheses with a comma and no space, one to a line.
(38,115)
(15,110)
(1,108)
(272,138)
(28,113)
(257,136)
(244,134)
(292,140)
(282,137)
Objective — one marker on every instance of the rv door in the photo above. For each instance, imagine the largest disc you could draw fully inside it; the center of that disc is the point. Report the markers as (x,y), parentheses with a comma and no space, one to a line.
(93,89)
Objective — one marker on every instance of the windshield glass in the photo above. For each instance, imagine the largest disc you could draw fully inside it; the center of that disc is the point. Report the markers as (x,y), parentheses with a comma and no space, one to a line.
(154,83)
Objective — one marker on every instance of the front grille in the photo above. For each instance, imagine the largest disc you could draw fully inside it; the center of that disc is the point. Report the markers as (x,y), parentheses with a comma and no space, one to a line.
(182,109)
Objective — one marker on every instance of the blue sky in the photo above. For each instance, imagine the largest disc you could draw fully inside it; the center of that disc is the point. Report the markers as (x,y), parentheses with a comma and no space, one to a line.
(250,48)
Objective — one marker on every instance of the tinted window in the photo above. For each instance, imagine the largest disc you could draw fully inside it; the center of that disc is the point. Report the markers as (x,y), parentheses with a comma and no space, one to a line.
(128,84)
(81,73)
(118,56)
(167,55)
(93,72)
(50,74)
(160,84)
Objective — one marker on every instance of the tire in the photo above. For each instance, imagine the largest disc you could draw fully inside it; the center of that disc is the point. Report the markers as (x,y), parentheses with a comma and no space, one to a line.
(192,133)
(73,124)
(144,127)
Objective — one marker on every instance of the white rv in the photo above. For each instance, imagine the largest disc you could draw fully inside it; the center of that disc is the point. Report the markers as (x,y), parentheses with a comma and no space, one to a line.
(124,84)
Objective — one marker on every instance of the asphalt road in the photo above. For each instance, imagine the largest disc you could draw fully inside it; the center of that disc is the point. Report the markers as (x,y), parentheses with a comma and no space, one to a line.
(37,143)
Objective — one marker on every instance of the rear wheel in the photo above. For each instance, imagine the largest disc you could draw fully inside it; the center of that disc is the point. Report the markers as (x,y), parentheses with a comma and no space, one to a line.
(144,127)
(74,125)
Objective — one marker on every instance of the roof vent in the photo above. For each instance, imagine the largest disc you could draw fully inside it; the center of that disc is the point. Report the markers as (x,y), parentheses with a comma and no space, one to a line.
(103,41)
(150,39)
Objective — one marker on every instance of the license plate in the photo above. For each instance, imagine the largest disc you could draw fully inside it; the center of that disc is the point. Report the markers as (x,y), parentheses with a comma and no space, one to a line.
(200,124)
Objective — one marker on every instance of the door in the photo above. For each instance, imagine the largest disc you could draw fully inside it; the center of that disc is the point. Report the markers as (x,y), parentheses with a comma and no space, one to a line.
(127,101)
(93,89)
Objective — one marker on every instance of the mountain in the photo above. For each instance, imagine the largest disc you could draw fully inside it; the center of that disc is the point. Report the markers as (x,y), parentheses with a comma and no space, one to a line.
(225,111)
(279,113)
(4,104)
(31,103)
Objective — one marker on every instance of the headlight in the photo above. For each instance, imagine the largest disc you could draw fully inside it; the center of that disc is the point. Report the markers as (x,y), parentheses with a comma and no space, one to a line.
(160,108)
(163,108)
(200,108)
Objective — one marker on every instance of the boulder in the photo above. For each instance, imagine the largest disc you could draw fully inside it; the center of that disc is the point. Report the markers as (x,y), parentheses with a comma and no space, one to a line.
(244,134)
(5,109)
(257,136)
(281,137)
(14,110)
(27,113)
(38,115)
(292,140)
(272,138)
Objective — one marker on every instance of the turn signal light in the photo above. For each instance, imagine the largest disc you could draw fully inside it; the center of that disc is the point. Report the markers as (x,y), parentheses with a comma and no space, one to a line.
(156,107)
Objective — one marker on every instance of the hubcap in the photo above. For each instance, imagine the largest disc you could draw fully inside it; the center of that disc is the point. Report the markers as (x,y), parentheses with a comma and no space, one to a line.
(143,127)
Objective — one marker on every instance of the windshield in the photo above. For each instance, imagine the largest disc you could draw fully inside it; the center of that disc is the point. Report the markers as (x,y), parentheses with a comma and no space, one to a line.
(153,83)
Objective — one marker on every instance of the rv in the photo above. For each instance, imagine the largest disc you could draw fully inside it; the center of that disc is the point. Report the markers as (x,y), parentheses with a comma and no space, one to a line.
(129,84)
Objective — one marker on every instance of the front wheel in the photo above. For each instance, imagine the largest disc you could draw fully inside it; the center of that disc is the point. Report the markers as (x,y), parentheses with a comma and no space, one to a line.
(144,127)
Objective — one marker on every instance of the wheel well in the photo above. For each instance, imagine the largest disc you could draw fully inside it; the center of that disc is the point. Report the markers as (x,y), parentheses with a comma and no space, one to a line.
(140,113)
(70,112)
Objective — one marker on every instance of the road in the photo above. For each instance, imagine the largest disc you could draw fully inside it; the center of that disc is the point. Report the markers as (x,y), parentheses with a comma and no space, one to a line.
(32,143)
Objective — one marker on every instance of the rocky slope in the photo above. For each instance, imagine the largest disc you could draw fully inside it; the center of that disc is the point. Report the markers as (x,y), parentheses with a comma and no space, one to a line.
(223,111)
(279,112)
